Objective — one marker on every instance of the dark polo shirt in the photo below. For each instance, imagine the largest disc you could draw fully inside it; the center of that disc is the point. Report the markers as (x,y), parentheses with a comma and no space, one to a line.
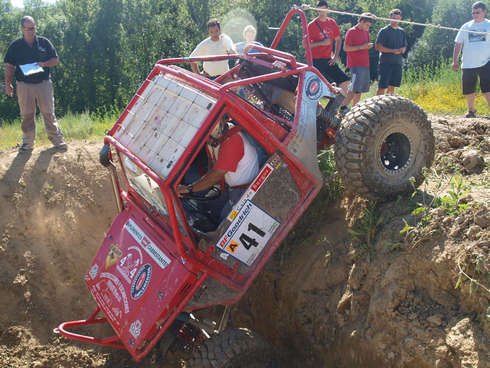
(20,53)
(392,38)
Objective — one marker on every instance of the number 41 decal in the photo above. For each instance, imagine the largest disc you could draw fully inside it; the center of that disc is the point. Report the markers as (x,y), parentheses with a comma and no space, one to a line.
(248,241)
(244,239)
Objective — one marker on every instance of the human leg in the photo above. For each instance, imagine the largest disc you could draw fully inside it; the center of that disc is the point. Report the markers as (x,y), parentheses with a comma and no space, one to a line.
(468,81)
(485,82)
(360,83)
(356,99)
(27,104)
(384,78)
(395,78)
(45,99)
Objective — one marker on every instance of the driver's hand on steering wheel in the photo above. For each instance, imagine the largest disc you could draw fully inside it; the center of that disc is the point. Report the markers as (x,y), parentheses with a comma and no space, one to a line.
(182,189)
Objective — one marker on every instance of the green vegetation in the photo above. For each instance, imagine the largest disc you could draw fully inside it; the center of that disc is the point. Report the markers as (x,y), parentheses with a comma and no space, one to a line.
(74,126)
(366,228)
(107,47)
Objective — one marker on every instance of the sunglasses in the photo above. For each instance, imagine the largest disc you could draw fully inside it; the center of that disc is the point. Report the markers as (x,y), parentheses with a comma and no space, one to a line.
(476,12)
(396,13)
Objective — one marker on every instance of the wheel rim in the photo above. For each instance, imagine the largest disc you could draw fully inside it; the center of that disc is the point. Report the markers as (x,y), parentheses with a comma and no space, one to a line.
(395,151)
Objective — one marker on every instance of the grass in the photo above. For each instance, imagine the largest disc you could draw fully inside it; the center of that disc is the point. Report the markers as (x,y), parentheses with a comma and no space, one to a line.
(437,89)
(74,126)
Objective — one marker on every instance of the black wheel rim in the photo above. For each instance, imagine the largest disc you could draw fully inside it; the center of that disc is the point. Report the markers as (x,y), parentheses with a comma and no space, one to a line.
(395,151)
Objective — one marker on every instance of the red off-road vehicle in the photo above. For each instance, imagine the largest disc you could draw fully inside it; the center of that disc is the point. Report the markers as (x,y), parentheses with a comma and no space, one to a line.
(158,263)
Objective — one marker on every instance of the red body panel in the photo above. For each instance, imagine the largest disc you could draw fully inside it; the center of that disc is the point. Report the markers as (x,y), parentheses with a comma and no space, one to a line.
(136,280)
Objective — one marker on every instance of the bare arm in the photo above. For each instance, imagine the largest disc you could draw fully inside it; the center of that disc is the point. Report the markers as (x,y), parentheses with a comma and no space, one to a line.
(456,52)
(350,48)
(337,47)
(51,62)
(211,178)
(387,50)
(9,73)
(195,68)
(325,42)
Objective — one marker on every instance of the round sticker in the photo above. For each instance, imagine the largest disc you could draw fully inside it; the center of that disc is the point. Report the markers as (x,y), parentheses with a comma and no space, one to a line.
(314,88)
(141,281)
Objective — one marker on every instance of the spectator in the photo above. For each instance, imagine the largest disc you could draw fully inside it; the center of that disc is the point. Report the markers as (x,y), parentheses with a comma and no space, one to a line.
(216,44)
(33,86)
(391,44)
(476,56)
(357,47)
(323,31)
(249,34)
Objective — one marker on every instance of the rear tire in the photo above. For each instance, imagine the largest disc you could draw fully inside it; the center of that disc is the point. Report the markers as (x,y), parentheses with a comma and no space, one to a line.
(233,348)
(383,142)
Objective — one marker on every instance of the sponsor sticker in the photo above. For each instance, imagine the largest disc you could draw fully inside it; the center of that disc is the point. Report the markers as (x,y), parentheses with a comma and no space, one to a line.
(135,328)
(130,263)
(94,270)
(314,88)
(248,233)
(114,283)
(153,251)
(141,281)
(250,193)
(113,256)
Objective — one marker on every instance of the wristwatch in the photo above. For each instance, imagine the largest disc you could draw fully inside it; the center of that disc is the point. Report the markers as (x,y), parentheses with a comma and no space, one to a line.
(190,188)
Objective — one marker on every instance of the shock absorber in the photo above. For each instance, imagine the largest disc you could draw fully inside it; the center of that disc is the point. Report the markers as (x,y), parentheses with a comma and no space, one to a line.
(327,117)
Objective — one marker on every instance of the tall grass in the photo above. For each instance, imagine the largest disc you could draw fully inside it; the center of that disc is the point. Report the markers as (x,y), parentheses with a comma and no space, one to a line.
(436,88)
(74,126)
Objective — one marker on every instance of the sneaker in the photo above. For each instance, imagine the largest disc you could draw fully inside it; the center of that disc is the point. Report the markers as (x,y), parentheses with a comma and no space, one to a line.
(470,114)
(62,147)
(25,148)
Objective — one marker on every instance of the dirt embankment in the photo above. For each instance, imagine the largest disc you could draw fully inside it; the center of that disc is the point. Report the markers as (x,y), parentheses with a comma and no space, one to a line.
(328,298)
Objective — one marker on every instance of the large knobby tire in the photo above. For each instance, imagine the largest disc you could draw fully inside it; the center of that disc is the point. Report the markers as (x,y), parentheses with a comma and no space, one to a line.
(383,142)
(233,348)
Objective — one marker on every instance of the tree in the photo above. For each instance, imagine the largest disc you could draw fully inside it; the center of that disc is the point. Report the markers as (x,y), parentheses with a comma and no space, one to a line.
(436,44)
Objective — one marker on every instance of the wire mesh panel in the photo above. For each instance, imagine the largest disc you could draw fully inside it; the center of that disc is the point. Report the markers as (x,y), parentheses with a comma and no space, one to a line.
(163,122)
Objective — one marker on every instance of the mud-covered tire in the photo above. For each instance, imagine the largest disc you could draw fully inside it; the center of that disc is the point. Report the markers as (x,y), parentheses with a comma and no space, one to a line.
(382,143)
(233,348)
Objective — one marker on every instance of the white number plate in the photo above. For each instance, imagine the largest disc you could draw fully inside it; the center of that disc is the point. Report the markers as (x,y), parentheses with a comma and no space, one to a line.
(248,234)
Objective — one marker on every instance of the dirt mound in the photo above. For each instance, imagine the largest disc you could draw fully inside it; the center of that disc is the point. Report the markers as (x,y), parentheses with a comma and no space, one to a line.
(327,298)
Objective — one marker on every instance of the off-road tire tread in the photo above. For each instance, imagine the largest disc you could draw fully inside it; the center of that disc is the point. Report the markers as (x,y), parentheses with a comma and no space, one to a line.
(358,130)
(231,348)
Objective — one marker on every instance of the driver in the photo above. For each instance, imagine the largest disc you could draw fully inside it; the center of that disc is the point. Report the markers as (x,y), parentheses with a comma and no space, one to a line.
(236,163)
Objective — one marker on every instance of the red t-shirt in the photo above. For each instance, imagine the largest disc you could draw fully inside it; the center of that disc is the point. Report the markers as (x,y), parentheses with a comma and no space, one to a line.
(318,31)
(231,151)
(356,37)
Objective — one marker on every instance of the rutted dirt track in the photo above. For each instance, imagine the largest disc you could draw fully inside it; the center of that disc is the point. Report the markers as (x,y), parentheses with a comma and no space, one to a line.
(324,299)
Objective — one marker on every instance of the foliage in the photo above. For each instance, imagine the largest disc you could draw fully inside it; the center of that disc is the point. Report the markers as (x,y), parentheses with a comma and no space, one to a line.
(436,43)
(366,228)
(107,47)
(450,203)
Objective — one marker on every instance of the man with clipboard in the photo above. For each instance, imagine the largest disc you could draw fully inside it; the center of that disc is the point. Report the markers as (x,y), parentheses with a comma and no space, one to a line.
(29,59)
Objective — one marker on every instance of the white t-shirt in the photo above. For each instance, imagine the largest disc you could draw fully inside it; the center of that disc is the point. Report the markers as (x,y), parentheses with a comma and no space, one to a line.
(208,47)
(476,47)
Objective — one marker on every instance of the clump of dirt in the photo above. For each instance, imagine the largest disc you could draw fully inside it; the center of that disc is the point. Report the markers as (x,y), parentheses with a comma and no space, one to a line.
(327,298)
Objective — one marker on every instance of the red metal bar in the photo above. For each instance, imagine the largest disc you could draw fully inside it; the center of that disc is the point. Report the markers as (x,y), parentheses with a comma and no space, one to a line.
(304,26)
(92,320)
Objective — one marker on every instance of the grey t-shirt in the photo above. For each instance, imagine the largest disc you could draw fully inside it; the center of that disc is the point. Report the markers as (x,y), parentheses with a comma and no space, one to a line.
(392,38)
